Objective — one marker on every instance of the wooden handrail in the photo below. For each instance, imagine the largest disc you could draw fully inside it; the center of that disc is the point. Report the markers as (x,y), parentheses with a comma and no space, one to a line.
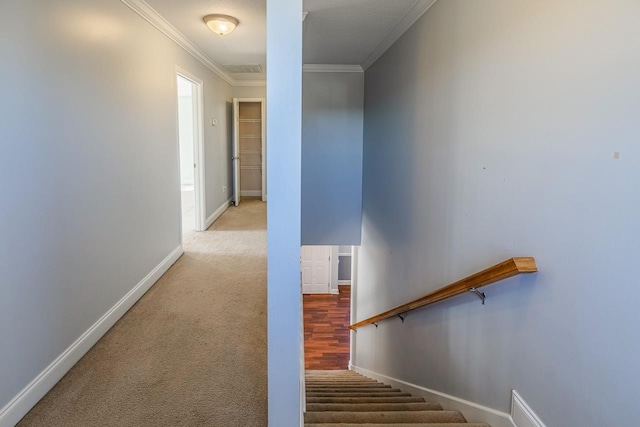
(505,269)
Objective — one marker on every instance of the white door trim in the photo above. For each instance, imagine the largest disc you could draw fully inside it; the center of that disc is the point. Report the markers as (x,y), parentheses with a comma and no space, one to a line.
(198,150)
(263,111)
(235,160)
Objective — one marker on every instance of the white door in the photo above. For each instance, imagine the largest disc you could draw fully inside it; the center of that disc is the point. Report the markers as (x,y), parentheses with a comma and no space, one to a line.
(315,266)
(236,151)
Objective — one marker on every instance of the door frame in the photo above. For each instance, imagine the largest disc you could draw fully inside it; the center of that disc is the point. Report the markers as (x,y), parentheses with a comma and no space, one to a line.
(263,134)
(198,149)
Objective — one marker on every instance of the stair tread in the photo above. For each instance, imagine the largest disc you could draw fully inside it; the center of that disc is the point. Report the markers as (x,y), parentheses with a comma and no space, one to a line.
(385,417)
(371,407)
(354,389)
(396,425)
(366,399)
(334,386)
(356,394)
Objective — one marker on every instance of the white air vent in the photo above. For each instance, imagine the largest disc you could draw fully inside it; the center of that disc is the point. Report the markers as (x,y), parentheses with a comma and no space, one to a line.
(250,69)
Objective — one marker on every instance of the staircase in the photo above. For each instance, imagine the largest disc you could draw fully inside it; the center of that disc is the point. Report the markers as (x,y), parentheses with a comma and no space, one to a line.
(348,399)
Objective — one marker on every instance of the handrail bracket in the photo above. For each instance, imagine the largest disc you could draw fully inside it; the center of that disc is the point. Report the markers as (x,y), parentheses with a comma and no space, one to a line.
(479,294)
(401,317)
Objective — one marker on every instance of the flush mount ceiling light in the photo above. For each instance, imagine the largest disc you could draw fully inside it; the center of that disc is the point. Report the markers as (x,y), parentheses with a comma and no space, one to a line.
(220,24)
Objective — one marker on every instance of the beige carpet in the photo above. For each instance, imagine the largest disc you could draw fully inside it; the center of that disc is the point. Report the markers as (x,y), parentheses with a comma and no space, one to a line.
(188,211)
(191,352)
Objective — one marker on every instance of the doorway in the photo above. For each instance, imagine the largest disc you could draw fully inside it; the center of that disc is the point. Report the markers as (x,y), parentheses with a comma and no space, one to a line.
(191,152)
(249,174)
(326,306)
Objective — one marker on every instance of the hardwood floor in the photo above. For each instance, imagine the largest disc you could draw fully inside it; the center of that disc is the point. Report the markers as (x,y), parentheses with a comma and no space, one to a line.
(326,330)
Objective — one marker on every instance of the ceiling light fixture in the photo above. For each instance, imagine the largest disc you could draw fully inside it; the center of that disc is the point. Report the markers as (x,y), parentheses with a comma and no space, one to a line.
(220,24)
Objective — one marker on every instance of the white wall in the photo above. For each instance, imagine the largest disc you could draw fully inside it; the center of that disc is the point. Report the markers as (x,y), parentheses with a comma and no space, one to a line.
(89,180)
(332,116)
(284,328)
(250,91)
(490,132)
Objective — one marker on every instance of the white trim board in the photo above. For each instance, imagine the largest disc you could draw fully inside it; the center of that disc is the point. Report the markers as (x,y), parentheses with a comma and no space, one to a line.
(251,193)
(473,412)
(20,405)
(401,27)
(521,414)
(331,68)
(147,12)
(218,212)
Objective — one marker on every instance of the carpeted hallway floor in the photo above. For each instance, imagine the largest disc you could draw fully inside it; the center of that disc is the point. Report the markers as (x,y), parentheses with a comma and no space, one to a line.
(191,352)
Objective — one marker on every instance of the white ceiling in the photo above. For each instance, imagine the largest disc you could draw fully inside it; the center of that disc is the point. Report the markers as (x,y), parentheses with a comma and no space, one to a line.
(335,31)
(245,45)
(348,31)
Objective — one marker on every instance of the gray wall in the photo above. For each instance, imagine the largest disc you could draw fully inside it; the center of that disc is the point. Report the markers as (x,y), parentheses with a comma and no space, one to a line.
(490,132)
(284,323)
(89,179)
(332,115)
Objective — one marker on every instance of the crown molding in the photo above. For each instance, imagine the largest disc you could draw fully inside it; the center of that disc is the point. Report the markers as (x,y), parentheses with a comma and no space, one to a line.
(331,68)
(410,18)
(158,21)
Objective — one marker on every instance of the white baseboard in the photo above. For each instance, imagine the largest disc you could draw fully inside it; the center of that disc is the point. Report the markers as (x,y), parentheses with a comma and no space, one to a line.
(522,414)
(473,412)
(217,213)
(34,391)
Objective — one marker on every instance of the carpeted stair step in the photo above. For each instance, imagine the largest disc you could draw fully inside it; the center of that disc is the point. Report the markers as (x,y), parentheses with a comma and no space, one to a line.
(372,390)
(389,394)
(348,399)
(368,399)
(398,425)
(351,385)
(374,407)
(342,383)
(385,417)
